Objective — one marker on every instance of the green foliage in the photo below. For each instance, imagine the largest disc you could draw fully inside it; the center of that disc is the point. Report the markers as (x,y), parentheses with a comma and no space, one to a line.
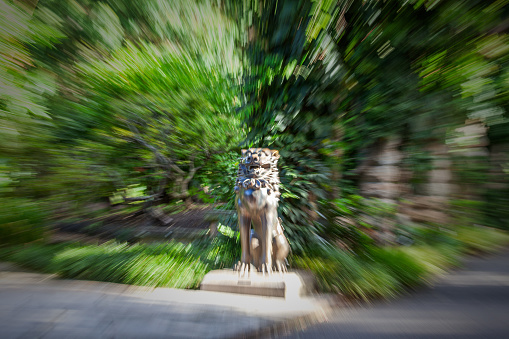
(472,172)
(93,227)
(388,271)
(35,256)
(419,162)
(494,208)
(482,239)
(399,264)
(225,249)
(139,98)
(287,93)
(466,211)
(353,220)
(21,221)
(327,80)
(170,265)
(218,174)
(427,234)
(99,96)
(436,259)
(21,96)
(343,225)
(376,272)
(342,272)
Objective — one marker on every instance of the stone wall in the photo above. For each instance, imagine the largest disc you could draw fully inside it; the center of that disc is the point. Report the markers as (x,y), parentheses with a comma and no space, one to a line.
(386,175)
(381,173)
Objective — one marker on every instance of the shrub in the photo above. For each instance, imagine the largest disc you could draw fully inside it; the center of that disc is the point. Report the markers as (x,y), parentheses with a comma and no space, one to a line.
(36,256)
(372,273)
(481,239)
(169,265)
(387,271)
(402,266)
(21,221)
(342,272)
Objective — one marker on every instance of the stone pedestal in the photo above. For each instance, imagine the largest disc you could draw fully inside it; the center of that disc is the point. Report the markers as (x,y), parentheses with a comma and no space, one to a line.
(289,286)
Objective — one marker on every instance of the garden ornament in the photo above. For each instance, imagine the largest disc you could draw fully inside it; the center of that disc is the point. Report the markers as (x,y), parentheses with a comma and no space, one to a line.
(257,196)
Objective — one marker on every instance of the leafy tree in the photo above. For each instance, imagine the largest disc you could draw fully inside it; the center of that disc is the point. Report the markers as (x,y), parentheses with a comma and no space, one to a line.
(328,79)
(289,105)
(173,113)
(119,94)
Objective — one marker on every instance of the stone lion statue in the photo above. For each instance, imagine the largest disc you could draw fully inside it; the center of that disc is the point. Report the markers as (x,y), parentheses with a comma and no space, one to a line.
(257,196)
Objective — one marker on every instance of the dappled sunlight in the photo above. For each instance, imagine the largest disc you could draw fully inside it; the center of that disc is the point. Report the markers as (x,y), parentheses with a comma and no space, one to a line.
(124,130)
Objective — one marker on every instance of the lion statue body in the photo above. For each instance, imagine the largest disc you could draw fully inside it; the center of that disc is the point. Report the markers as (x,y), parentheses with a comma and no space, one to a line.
(257,196)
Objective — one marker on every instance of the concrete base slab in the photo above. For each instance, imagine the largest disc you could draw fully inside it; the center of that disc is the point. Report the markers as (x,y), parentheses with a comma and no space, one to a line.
(289,285)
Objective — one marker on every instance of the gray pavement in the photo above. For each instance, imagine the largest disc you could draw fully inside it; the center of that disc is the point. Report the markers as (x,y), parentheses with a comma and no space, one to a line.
(40,306)
(469,303)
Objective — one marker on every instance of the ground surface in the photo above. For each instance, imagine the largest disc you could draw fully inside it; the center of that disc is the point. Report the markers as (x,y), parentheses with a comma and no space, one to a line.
(38,306)
(468,303)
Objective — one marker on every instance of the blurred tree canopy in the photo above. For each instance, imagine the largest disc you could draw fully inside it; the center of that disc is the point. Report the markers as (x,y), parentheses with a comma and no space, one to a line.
(326,79)
(103,96)
(150,100)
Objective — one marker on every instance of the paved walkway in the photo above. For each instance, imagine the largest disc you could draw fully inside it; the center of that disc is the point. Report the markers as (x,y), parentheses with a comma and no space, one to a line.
(468,303)
(38,306)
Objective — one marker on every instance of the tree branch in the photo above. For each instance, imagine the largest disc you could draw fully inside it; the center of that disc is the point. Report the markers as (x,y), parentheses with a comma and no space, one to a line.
(160,158)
